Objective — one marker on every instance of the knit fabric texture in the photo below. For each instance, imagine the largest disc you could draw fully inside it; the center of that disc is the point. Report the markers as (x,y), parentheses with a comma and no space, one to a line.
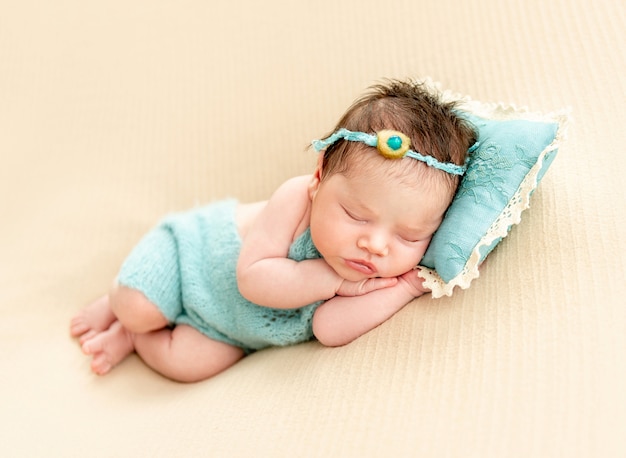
(186,266)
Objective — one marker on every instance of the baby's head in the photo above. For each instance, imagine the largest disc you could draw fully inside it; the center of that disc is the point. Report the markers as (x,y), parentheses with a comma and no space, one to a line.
(433,127)
(373,215)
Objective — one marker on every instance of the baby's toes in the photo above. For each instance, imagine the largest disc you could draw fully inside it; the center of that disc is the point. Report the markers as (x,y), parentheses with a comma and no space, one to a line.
(78,326)
(100,364)
(87,336)
(93,344)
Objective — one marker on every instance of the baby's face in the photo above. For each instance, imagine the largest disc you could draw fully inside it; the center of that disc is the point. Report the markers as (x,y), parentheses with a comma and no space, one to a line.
(368,225)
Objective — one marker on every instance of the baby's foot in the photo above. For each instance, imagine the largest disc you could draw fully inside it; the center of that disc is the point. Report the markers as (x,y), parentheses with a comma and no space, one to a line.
(108,348)
(91,320)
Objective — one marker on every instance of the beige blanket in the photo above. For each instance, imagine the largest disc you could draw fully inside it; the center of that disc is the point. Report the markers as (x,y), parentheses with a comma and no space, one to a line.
(114,113)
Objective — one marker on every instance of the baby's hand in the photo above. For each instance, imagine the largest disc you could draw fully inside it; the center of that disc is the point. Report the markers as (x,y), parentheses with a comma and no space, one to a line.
(413,282)
(358,288)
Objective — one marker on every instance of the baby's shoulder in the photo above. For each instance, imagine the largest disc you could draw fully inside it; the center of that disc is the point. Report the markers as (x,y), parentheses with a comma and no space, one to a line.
(289,206)
(296,184)
(292,196)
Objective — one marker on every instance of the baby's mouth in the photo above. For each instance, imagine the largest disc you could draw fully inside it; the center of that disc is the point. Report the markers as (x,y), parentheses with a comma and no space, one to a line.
(362,266)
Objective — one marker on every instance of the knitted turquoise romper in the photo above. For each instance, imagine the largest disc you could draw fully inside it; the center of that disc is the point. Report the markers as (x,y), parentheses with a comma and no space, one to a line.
(186,267)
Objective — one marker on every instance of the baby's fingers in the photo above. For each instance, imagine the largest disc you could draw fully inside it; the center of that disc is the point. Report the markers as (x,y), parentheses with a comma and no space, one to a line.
(414,282)
(351,288)
(372,284)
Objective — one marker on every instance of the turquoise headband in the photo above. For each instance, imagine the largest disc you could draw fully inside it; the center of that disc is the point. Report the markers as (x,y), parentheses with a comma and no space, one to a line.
(392,145)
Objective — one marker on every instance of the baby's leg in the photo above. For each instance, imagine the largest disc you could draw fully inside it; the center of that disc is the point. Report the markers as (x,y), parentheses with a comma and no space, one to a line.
(135,311)
(107,326)
(185,354)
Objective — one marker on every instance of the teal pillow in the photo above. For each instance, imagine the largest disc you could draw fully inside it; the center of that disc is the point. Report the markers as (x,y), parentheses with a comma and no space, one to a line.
(515,150)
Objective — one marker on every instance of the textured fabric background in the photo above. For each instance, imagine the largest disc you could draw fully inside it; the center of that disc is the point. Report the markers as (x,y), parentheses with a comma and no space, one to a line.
(114,113)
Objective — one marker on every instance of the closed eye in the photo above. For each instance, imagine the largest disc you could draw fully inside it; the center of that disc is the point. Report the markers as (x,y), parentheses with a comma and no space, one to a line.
(352,215)
(411,238)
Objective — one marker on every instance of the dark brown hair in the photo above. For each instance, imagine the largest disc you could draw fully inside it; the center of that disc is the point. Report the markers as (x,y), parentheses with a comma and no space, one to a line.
(408,107)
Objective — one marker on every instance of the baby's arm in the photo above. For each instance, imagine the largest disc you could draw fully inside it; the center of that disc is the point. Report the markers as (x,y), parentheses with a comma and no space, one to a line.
(267,277)
(340,320)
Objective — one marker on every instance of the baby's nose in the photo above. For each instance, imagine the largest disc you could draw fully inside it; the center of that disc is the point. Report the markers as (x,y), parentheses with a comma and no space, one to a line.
(375,242)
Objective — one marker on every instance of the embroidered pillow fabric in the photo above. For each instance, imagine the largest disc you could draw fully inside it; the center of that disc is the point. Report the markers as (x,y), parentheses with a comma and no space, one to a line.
(516,148)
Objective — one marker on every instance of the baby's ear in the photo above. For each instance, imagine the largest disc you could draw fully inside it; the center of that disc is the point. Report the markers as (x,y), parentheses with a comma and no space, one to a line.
(314,185)
(316,178)
(320,163)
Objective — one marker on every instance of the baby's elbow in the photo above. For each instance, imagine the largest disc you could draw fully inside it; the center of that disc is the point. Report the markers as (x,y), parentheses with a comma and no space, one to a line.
(244,284)
(328,334)
(327,340)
